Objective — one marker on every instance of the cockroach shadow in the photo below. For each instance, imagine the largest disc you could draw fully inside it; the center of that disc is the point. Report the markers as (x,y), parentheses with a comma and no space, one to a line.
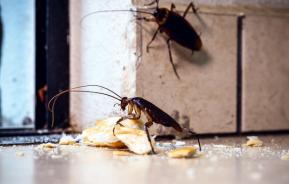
(200,58)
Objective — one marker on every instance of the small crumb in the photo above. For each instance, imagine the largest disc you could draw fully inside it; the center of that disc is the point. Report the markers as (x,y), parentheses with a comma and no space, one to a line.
(219,146)
(121,153)
(180,143)
(166,144)
(285,157)
(67,140)
(19,154)
(253,141)
(48,145)
(185,152)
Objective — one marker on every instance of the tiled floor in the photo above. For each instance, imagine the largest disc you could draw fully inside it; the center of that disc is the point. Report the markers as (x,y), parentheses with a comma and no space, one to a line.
(224,160)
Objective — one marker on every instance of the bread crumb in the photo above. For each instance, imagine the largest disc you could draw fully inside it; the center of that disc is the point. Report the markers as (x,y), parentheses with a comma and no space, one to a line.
(185,152)
(136,140)
(253,141)
(180,143)
(48,145)
(67,140)
(102,133)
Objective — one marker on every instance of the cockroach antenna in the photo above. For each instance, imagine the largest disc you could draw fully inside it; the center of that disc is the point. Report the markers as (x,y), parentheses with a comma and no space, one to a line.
(105,11)
(52,101)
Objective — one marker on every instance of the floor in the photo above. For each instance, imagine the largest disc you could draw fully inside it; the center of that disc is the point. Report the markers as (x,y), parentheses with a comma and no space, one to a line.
(223,160)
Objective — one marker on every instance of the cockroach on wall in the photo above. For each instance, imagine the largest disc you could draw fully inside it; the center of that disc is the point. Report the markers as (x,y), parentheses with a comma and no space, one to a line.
(135,107)
(174,25)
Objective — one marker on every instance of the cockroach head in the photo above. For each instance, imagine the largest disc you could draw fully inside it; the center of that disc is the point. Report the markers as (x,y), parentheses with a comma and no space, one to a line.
(160,14)
(124,103)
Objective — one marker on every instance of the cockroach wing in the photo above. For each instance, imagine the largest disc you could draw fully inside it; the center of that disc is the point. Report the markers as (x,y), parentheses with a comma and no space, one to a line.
(157,115)
(182,32)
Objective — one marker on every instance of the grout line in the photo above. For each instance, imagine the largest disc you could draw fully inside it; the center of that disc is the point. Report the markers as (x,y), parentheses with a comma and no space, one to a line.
(239,73)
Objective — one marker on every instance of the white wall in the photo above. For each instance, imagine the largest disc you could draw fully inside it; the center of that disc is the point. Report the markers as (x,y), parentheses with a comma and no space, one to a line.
(102,52)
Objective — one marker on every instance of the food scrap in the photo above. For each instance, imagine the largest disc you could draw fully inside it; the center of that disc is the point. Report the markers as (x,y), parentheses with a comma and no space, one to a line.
(253,141)
(135,139)
(48,145)
(102,133)
(67,140)
(185,152)
(179,143)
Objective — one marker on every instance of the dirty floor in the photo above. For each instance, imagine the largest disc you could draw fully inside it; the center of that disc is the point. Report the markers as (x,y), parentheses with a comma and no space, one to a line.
(223,160)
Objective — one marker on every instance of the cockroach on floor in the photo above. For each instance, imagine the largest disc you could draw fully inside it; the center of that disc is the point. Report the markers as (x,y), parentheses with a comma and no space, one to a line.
(135,107)
(174,25)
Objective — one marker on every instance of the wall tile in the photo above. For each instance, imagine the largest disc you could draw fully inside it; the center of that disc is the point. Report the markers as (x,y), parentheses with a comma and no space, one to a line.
(205,97)
(265,73)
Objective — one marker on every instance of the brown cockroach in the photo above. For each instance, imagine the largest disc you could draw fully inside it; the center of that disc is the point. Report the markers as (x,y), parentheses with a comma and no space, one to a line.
(174,25)
(135,107)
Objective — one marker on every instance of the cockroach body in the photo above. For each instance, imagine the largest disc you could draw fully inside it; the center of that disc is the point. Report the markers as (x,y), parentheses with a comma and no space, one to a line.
(153,115)
(174,25)
(135,107)
(177,28)
(152,112)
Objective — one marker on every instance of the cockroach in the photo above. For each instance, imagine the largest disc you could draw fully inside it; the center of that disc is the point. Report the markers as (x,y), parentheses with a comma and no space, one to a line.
(135,107)
(174,25)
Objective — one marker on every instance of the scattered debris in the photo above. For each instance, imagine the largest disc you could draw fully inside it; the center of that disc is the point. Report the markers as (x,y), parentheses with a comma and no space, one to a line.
(49,150)
(180,143)
(48,145)
(219,146)
(184,152)
(166,144)
(67,140)
(253,141)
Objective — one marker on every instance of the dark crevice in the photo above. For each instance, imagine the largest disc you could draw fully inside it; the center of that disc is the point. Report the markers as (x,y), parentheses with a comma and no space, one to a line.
(239,72)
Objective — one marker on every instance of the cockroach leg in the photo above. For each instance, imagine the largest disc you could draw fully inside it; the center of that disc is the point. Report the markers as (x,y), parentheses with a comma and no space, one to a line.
(191,5)
(118,123)
(146,126)
(173,6)
(197,136)
(145,19)
(153,38)
(171,58)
